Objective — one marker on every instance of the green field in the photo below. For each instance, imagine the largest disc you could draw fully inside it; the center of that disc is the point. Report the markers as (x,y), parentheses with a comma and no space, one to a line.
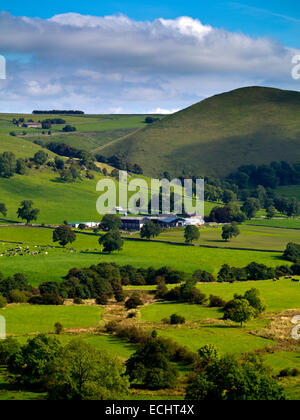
(251,237)
(279,223)
(227,339)
(279,296)
(55,265)
(30,319)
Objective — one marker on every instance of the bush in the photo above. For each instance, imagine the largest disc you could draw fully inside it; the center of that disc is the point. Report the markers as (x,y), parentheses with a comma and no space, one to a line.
(78,301)
(289,372)
(292,252)
(3,302)
(216,302)
(58,328)
(46,300)
(133,302)
(203,277)
(8,348)
(176,319)
(102,300)
(17,296)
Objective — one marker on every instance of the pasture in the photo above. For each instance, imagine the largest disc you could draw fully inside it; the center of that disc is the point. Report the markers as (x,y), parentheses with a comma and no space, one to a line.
(55,265)
(251,237)
(31,319)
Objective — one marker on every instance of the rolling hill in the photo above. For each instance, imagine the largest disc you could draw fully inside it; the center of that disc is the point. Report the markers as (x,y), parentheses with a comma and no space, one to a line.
(252,125)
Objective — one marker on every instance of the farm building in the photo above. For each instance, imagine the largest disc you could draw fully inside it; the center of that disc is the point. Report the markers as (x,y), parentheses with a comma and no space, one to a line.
(133,223)
(32,125)
(87,224)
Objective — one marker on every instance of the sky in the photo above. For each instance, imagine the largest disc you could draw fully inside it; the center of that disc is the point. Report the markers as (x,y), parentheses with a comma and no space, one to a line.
(142,57)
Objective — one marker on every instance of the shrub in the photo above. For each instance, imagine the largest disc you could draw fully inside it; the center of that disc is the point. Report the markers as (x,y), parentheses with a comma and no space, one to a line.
(78,301)
(292,252)
(289,372)
(58,327)
(3,302)
(8,348)
(133,302)
(46,300)
(176,319)
(17,296)
(102,300)
(201,276)
(216,302)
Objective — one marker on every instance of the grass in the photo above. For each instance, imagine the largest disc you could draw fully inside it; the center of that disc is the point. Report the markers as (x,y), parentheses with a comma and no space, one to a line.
(227,339)
(216,136)
(279,296)
(279,223)
(251,237)
(159,311)
(29,319)
(55,265)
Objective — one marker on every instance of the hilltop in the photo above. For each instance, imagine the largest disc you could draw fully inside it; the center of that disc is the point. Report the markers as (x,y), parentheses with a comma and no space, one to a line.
(252,125)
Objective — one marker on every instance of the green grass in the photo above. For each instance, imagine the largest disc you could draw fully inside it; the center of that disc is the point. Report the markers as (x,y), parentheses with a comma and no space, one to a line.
(28,319)
(219,134)
(279,223)
(279,296)
(159,311)
(55,265)
(251,237)
(226,338)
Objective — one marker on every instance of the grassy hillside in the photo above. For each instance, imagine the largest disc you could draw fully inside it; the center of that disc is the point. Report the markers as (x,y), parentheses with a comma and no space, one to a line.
(214,137)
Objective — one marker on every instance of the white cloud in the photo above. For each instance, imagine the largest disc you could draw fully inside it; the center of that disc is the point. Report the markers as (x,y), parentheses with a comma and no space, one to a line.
(101,63)
(163,111)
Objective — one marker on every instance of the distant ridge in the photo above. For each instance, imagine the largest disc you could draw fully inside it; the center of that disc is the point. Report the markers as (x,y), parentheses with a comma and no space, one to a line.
(254,125)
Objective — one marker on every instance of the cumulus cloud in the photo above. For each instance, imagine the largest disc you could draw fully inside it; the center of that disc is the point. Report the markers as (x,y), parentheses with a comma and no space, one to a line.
(100,64)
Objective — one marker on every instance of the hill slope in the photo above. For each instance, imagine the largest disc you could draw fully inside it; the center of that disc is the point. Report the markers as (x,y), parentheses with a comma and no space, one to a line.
(214,137)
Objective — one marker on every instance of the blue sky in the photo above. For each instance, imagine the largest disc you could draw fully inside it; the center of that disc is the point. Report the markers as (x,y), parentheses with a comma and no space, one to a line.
(137,56)
(274,18)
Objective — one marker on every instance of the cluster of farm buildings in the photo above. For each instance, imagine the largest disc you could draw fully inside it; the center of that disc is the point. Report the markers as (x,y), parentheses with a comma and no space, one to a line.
(136,223)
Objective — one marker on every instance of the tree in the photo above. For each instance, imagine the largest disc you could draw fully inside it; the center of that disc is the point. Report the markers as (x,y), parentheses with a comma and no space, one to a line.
(231,379)
(30,364)
(191,234)
(40,158)
(271,212)
(111,241)
(239,311)
(230,231)
(292,252)
(229,196)
(255,300)
(7,164)
(150,365)
(251,207)
(59,163)
(27,212)
(150,230)
(8,348)
(21,167)
(111,222)
(3,209)
(81,372)
(64,235)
